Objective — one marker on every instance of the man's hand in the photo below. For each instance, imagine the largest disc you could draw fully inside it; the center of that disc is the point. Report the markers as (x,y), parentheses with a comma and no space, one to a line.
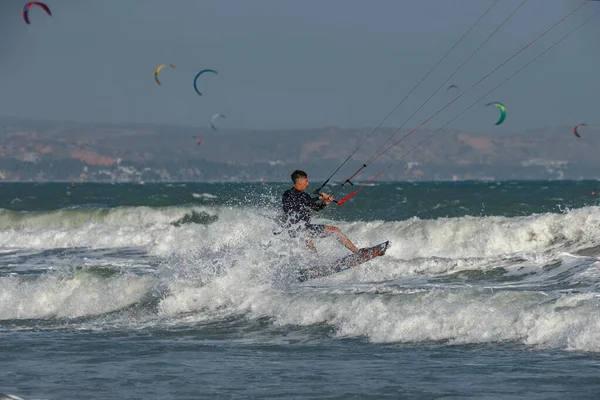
(326,198)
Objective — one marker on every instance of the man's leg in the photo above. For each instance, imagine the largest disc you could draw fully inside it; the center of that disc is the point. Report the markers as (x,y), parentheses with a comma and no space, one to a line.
(343,239)
(295,231)
(310,244)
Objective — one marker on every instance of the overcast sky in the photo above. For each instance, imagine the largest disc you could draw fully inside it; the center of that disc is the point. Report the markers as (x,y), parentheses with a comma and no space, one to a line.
(295,64)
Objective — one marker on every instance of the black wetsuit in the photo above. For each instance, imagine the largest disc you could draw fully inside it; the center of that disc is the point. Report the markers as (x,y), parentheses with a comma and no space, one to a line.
(297,206)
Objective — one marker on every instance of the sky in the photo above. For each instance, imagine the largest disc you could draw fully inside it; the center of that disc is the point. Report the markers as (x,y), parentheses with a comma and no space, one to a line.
(286,64)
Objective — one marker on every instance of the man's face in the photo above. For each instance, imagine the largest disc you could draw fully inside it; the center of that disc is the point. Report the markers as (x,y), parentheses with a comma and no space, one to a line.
(301,183)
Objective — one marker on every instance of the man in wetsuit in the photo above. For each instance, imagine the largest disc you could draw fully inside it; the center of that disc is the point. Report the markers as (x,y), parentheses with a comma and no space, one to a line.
(297,205)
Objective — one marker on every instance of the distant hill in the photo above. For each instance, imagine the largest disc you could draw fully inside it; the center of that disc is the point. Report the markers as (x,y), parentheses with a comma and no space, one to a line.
(46,150)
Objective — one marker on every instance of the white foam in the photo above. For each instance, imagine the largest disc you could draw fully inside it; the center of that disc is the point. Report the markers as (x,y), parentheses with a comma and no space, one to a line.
(204,196)
(236,266)
(465,237)
(81,294)
(460,316)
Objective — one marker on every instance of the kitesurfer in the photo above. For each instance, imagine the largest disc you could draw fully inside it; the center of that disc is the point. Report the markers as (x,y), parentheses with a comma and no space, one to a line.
(297,205)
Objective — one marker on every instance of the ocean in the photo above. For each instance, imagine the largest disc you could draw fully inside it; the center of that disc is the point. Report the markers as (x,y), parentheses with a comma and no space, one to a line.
(490,290)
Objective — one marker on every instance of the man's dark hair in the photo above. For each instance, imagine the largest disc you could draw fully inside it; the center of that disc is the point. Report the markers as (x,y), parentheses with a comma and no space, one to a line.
(297,174)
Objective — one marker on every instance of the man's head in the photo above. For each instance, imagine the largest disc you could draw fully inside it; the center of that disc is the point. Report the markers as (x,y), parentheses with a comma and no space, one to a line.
(300,180)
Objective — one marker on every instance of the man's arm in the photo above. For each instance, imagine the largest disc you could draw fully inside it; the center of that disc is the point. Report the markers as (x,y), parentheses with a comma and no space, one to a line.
(288,202)
(315,205)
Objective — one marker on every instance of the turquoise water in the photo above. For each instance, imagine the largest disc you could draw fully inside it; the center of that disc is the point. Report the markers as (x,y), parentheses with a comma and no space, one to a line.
(181,291)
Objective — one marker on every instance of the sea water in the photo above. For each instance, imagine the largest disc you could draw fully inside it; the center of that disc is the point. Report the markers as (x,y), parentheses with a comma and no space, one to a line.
(183,291)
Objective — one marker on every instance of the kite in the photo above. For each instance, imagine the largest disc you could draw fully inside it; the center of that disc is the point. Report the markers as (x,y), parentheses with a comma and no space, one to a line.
(502,109)
(157,70)
(34,3)
(577,127)
(198,75)
(214,117)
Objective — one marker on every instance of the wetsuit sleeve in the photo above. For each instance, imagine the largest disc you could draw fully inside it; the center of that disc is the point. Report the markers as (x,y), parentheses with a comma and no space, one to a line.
(315,205)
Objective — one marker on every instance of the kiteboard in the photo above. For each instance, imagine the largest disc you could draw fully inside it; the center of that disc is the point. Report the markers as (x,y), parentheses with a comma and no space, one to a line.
(363,255)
